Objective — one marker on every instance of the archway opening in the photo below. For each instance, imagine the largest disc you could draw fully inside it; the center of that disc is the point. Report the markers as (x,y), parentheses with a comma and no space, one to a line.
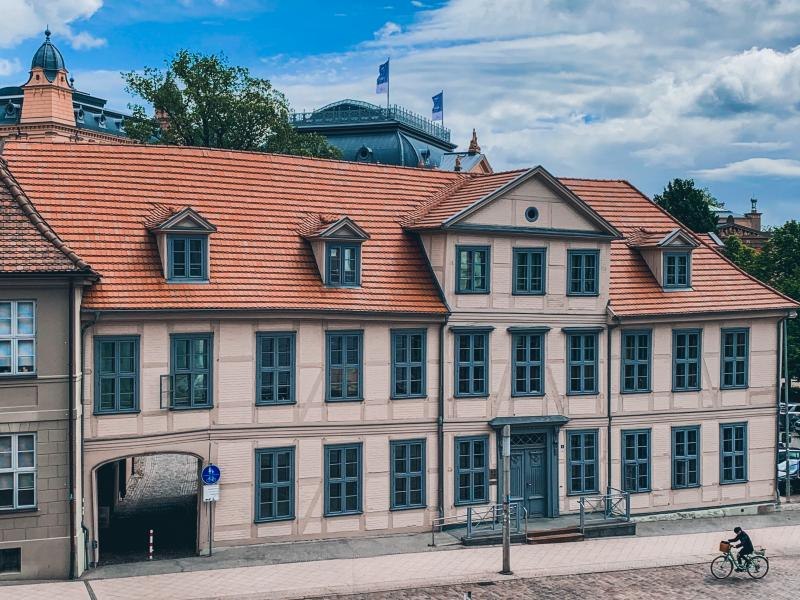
(137,494)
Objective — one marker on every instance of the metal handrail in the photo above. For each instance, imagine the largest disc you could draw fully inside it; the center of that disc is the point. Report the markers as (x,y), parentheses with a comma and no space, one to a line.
(440,522)
(486,520)
(615,505)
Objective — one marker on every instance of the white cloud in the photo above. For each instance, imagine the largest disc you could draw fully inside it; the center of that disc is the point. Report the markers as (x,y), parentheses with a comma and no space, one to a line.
(23,19)
(9,66)
(84,40)
(389,29)
(753,167)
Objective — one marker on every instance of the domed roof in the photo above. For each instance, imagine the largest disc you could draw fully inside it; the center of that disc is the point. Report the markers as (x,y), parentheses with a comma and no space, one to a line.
(48,57)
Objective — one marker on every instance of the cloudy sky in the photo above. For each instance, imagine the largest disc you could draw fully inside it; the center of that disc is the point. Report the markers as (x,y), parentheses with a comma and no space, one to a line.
(634,89)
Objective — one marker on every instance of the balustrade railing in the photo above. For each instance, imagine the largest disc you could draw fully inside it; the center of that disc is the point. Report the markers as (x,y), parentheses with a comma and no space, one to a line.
(613,506)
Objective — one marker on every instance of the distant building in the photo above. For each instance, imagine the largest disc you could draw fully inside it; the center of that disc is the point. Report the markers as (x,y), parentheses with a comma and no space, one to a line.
(368,133)
(746,227)
(49,107)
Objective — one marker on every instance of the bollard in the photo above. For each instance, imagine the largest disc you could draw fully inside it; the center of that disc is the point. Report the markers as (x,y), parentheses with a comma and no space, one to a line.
(467,595)
(150,547)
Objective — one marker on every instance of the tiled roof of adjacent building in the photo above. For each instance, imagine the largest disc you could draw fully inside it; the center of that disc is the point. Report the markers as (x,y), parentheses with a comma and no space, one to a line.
(28,244)
(101,198)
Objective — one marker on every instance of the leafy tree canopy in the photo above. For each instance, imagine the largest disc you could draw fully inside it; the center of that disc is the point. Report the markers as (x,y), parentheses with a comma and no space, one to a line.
(692,206)
(201,100)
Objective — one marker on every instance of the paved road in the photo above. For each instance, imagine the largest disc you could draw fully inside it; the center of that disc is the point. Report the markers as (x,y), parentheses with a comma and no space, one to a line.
(689,582)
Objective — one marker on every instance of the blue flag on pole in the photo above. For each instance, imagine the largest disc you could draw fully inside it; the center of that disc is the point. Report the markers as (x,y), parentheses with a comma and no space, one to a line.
(438,107)
(382,85)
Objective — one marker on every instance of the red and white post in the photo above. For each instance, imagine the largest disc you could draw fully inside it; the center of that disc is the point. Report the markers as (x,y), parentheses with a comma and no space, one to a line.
(150,546)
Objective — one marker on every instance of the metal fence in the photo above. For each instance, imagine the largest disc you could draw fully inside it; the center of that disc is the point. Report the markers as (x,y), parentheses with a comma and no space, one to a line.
(613,506)
(488,520)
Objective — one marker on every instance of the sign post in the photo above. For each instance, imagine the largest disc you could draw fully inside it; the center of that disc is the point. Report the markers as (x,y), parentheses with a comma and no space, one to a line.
(506,501)
(210,477)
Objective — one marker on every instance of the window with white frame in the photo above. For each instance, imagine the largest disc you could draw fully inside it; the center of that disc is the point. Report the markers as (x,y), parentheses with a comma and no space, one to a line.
(17,471)
(17,337)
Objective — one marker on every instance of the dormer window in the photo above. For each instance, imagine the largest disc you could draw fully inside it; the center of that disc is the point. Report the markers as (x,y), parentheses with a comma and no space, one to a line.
(676,270)
(183,243)
(336,244)
(344,264)
(187,257)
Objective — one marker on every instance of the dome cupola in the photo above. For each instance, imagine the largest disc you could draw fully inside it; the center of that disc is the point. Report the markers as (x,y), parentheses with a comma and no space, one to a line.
(48,58)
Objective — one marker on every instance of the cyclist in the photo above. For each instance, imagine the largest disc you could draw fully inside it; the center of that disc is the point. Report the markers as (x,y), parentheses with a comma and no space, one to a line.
(745,545)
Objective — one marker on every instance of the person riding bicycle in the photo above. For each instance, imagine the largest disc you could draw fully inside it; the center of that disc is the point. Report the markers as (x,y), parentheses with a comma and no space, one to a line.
(743,542)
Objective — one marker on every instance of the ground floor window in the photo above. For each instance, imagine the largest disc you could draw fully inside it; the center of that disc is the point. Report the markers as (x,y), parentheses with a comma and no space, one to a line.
(17,471)
(10,560)
(685,453)
(733,452)
(408,474)
(275,485)
(636,461)
(582,458)
(342,479)
(472,470)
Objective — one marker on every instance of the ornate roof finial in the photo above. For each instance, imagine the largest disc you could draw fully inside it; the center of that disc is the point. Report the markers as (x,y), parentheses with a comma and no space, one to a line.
(457,166)
(474,148)
(753,203)
(47,34)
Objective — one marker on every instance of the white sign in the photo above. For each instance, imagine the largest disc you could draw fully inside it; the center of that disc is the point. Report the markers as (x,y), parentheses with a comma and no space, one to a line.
(211,493)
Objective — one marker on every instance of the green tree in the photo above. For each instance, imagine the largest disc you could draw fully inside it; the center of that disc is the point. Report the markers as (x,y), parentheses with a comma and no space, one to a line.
(692,206)
(200,100)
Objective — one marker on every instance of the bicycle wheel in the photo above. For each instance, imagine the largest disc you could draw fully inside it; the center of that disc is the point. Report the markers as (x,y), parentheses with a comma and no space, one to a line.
(757,567)
(721,567)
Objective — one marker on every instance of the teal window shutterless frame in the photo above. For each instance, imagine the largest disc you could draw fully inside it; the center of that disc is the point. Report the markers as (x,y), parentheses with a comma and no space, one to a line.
(17,471)
(636,460)
(582,363)
(677,270)
(686,346)
(187,258)
(408,474)
(17,337)
(582,476)
(685,457)
(636,356)
(472,470)
(342,479)
(473,269)
(275,484)
(735,358)
(583,272)
(190,369)
(527,351)
(275,371)
(116,374)
(733,453)
(408,363)
(344,365)
(472,363)
(530,271)
(342,264)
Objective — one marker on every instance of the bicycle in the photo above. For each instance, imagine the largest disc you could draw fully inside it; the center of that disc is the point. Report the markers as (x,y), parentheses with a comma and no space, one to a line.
(756,564)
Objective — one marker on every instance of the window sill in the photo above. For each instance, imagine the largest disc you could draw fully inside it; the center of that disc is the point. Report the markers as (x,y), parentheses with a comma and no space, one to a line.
(19,377)
(579,494)
(734,387)
(17,511)
(647,491)
(419,397)
(474,503)
(115,413)
(686,487)
(190,281)
(342,400)
(734,482)
(343,514)
(594,393)
(517,293)
(469,293)
(633,392)
(333,286)
(267,404)
(527,394)
(583,294)
(471,396)
(275,520)
(404,508)
(183,408)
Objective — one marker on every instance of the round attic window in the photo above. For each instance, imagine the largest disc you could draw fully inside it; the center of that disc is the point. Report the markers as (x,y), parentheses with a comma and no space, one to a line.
(531,213)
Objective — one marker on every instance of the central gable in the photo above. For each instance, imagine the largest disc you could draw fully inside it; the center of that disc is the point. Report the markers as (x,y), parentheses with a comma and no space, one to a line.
(534,202)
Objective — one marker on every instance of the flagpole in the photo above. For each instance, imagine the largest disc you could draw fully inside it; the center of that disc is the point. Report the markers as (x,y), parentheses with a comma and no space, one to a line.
(388,82)
(442,93)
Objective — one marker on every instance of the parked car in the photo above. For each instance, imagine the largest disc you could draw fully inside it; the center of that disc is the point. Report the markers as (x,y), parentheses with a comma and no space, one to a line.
(788,469)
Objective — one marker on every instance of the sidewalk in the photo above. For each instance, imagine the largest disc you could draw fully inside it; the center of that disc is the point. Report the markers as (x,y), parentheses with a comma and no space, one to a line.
(347,576)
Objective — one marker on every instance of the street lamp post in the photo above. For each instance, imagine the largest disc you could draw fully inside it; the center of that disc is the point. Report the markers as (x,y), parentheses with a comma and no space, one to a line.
(506,501)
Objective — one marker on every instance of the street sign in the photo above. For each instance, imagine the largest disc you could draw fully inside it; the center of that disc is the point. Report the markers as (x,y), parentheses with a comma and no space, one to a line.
(211,492)
(211,474)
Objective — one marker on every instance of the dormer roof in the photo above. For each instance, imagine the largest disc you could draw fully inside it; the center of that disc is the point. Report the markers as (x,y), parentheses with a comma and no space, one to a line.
(164,219)
(339,229)
(677,238)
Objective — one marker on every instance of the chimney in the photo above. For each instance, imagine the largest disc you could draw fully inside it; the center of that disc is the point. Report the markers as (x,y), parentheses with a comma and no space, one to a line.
(754,217)
(457,166)
(474,148)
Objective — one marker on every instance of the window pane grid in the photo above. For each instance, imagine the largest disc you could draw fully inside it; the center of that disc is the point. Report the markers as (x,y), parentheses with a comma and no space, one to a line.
(527,363)
(17,337)
(344,366)
(191,371)
(686,360)
(583,272)
(408,474)
(408,364)
(472,270)
(582,462)
(582,363)
(342,479)
(471,364)
(275,484)
(275,382)
(636,361)
(734,358)
(187,257)
(636,461)
(343,265)
(733,453)
(472,470)
(676,270)
(685,457)
(117,374)
(17,471)
(529,269)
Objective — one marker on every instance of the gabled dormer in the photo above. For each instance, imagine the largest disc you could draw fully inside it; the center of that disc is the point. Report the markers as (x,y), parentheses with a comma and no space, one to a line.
(669,256)
(336,243)
(183,243)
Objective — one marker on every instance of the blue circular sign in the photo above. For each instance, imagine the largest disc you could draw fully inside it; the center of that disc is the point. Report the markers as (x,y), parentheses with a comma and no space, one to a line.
(210,474)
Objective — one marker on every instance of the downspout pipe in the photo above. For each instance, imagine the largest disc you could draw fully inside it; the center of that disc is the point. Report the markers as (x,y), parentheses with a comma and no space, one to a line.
(786,384)
(440,423)
(84,328)
(778,388)
(71,423)
(610,327)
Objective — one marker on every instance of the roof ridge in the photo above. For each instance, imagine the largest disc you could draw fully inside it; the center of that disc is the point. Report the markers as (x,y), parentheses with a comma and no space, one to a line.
(29,210)
(428,205)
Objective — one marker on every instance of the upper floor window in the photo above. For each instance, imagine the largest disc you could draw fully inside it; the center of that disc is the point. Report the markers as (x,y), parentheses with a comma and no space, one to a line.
(408,474)
(17,337)
(677,270)
(583,272)
(275,371)
(582,363)
(528,360)
(187,257)
(686,359)
(191,372)
(735,349)
(17,471)
(636,361)
(274,484)
(408,363)
(344,365)
(471,363)
(529,270)
(116,365)
(472,269)
(343,264)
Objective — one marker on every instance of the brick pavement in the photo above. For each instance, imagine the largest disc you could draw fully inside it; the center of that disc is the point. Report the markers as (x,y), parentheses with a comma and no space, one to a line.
(380,573)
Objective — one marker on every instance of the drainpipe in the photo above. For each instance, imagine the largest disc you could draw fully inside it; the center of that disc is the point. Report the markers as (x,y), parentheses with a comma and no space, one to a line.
(609,329)
(440,421)
(778,383)
(786,403)
(73,510)
(84,328)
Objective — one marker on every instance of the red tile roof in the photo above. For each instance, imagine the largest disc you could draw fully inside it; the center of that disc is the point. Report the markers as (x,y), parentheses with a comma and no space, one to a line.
(717,285)
(27,243)
(101,197)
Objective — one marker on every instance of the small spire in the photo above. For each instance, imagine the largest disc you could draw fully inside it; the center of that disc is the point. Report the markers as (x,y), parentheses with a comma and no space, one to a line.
(753,203)
(47,34)
(474,148)
(457,166)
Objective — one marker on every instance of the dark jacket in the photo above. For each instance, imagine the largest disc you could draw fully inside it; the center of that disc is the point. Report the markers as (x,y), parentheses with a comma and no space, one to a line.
(744,543)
